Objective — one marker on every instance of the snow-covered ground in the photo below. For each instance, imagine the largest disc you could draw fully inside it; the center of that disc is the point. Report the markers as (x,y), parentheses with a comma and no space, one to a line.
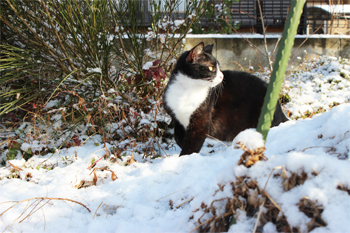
(306,171)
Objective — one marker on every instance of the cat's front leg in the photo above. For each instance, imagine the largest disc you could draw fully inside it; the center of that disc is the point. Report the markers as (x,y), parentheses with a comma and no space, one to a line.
(195,135)
(179,134)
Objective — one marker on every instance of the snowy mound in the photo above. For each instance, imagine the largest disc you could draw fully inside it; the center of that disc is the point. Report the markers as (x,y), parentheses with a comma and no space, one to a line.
(308,188)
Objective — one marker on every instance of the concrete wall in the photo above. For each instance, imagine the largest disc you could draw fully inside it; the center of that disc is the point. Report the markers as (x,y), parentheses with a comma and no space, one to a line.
(235,52)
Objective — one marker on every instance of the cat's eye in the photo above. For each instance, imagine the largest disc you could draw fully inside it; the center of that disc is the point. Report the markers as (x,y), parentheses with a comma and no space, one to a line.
(211,68)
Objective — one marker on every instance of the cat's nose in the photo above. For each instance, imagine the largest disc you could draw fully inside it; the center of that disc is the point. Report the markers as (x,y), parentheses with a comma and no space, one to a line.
(221,75)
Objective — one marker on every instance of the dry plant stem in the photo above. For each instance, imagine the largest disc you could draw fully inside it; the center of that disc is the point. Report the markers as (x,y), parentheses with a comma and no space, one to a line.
(83,143)
(237,63)
(305,40)
(51,51)
(209,220)
(120,37)
(18,32)
(311,147)
(25,209)
(44,122)
(345,134)
(161,148)
(275,168)
(184,202)
(98,159)
(32,211)
(172,193)
(250,43)
(217,140)
(180,39)
(258,218)
(274,49)
(58,36)
(273,201)
(264,33)
(41,207)
(97,209)
(40,199)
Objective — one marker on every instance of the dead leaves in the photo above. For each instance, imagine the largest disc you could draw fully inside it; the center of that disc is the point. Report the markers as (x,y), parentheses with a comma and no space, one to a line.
(343,188)
(113,175)
(313,211)
(84,184)
(28,176)
(250,157)
(131,160)
(292,180)
(101,176)
(248,196)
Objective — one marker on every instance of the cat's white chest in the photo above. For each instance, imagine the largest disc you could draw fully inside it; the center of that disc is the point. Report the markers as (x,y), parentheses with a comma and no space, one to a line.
(185,95)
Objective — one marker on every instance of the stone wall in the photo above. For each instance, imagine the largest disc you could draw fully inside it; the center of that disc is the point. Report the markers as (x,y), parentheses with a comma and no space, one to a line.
(237,52)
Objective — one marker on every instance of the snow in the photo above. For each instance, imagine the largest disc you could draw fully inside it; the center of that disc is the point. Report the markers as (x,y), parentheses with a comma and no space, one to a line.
(150,195)
(251,139)
(343,9)
(92,70)
(327,81)
(178,22)
(147,65)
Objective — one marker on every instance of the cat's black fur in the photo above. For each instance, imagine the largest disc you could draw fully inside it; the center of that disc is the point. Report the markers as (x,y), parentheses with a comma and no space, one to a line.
(229,108)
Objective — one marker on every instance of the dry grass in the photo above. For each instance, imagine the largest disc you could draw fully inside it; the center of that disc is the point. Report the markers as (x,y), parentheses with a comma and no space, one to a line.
(32,206)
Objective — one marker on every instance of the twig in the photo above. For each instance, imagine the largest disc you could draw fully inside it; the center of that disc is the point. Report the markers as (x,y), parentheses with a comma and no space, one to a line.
(98,159)
(34,205)
(305,41)
(217,140)
(43,198)
(159,146)
(264,33)
(275,168)
(184,202)
(273,201)
(172,193)
(58,37)
(258,218)
(97,209)
(51,50)
(83,143)
(209,220)
(41,207)
(330,147)
(276,45)
(32,212)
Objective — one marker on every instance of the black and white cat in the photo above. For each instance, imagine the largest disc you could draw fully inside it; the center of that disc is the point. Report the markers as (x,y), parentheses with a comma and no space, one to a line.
(204,101)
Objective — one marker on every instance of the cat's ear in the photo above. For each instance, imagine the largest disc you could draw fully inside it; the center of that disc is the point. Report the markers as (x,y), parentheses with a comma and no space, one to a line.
(208,48)
(195,53)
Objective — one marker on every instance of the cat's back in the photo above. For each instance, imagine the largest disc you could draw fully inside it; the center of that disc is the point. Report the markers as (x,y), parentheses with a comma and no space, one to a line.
(240,83)
(238,105)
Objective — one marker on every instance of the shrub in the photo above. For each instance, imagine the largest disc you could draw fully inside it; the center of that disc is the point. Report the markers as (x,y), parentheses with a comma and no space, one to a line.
(93,66)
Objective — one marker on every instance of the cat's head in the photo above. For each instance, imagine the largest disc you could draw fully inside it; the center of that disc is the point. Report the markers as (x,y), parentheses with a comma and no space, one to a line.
(200,64)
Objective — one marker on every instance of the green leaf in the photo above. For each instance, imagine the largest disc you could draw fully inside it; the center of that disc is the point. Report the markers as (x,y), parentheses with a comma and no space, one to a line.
(11,154)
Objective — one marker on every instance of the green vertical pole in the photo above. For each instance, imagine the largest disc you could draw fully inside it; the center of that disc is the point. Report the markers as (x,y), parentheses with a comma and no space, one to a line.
(279,68)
